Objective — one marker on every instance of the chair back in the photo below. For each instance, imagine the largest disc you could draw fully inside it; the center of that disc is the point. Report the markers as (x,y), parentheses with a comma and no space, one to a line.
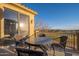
(63,40)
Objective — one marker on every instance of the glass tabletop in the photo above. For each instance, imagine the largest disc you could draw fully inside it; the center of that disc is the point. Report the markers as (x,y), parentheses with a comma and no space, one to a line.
(43,40)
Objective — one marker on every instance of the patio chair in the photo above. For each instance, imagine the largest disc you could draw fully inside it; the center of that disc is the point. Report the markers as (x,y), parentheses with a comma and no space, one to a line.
(61,44)
(36,46)
(42,35)
(27,52)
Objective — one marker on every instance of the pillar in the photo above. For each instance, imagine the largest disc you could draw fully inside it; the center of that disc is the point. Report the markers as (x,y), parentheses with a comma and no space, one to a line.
(1,22)
(31,29)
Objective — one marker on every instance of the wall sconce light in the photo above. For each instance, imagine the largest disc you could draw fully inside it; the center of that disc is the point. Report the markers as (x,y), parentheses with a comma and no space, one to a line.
(31,21)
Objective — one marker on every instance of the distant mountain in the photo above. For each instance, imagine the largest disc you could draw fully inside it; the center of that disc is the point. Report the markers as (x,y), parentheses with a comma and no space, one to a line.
(76,27)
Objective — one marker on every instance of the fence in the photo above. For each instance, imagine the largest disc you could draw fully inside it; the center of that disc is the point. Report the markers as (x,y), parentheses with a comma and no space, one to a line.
(72,40)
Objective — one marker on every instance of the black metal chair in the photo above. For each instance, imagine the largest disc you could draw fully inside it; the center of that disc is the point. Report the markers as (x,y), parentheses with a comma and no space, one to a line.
(36,46)
(29,51)
(61,44)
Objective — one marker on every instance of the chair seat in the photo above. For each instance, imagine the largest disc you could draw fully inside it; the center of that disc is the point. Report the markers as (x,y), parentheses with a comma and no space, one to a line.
(22,52)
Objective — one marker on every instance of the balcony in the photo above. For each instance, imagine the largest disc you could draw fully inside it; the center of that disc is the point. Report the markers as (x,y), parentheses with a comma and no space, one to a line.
(7,47)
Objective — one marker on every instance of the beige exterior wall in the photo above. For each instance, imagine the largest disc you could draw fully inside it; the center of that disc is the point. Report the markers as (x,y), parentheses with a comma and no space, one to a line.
(21,9)
(31,28)
(1,22)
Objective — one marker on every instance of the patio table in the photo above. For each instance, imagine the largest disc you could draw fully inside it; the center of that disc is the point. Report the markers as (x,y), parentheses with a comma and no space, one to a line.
(43,41)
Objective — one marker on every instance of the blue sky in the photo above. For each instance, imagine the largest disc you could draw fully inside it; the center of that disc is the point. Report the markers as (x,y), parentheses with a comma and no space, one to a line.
(56,16)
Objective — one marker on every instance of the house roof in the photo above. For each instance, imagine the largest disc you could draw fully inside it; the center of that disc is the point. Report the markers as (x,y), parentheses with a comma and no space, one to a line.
(26,8)
(20,6)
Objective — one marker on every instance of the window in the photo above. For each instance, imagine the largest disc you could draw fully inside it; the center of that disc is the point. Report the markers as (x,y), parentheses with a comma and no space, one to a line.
(23,24)
(10,21)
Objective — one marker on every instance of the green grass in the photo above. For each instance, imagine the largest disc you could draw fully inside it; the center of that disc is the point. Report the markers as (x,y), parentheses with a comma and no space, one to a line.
(53,34)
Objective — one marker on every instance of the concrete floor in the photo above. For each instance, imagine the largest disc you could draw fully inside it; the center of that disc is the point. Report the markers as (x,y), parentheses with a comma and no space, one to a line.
(6,52)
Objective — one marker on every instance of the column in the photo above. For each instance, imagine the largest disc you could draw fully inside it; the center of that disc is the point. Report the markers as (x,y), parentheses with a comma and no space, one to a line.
(1,22)
(31,29)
